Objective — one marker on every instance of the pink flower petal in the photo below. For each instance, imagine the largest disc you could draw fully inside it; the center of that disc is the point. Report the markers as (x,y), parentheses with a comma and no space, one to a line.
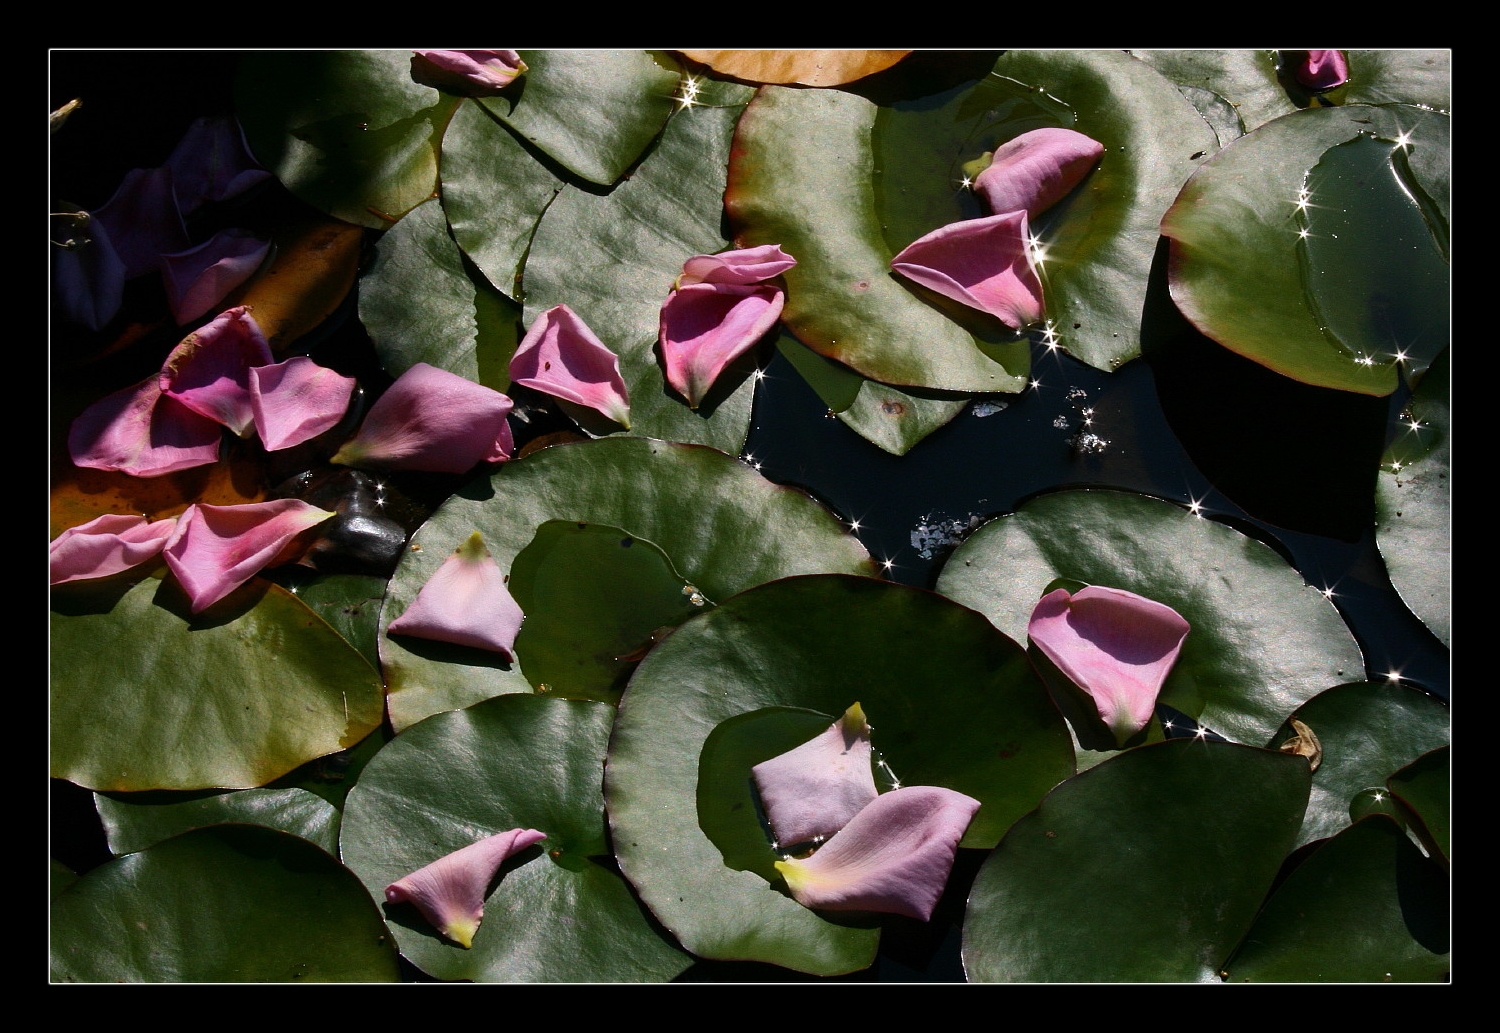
(1036,170)
(215,549)
(432,420)
(561,356)
(983,263)
(144,433)
(811,792)
(106,545)
(198,279)
(209,371)
(296,400)
(143,221)
(745,266)
(1114,645)
(706,326)
(450,891)
(465,602)
(894,856)
(212,163)
(474,72)
(1322,70)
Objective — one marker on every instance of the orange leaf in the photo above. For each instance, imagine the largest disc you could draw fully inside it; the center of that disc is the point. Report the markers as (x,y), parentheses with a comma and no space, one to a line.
(806,67)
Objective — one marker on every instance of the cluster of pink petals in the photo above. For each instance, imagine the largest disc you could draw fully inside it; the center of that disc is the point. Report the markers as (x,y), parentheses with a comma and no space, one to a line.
(434,421)
(1322,70)
(106,545)
(562,357)
(216,549)
(1116,646)
(450,891)
(473,72)
(209,372)
(465,602)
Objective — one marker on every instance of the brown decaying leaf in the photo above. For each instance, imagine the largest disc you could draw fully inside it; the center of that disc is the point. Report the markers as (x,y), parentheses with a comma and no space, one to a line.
(317,260)
(1304,744)
(805,67)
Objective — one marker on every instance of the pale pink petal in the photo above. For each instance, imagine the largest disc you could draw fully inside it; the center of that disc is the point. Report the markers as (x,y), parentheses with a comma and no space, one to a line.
(432,420)
(1323,70)
(983,263)
(209,371)
(745,266)
(107,545)
(560,356)
(296,400)
(142,432)
(215,549)
(465,602)
(706,326)
(895,856)
(811,792)
(143,221)
(198,279)
(1036,170)
(475,72)
(212,163)
(450,891)
(1114,645)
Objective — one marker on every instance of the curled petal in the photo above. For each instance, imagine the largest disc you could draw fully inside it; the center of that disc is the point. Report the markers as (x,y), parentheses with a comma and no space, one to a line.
(142,432)
(198,279)
(1036,170)
(296,400)
(473,72)
(215,549)
(745,266)
(983,263)
(811,792)
(212,163)
(1322,70)
(894,856)
(432,420)
(561,356)
(106,545)
(209,372)
(143,221)
(465,602)
(1116,646)
(706,326)
(450,891)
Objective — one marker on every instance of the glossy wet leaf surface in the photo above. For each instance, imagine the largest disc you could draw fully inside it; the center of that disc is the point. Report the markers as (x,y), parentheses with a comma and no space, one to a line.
(1423,790)
(135,821)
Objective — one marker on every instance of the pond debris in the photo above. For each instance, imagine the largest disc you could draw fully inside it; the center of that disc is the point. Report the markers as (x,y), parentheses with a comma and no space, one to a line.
(987,408)
(935,531)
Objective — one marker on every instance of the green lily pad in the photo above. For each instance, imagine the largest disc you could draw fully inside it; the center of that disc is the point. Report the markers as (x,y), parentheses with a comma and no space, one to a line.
(145,696)
(348,131)
(978,722)
(724,526)
(1418,77)
(1423,789)
(1246,79)
(1262,642)
(1366,907)
(135,821)
(59,878)
(557,913)
(1147,868)
(229,904)
(348,602)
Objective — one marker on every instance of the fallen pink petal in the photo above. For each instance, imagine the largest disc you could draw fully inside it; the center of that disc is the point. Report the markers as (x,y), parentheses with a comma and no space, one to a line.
(450,891)
(296,400)
(983,263)
(434,421)
(706,326)
(1322,70)
(744,266)
(1036,170)
(1118,647)
(209,371)
(200,277)
(475,72)
(144,433)
(894,856)
(107,545)
(216,549)
(562,357)
(813,791)
(465,602)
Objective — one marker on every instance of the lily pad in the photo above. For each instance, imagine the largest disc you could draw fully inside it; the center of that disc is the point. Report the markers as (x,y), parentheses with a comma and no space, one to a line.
(1149,867)
(1423,789)
(1245,79)
(1262,641)
(978,722)
(557,913)
(135,821)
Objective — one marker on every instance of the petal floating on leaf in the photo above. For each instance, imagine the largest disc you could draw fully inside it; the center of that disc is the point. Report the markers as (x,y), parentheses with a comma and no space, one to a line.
(706,326)
(465,602)
(473,72)
(813,791)
(1322,70)
(199,278)
(296,400)
(745,266)
(450,891)
(142,432)
(1116,646)
(107,545)
(562,357)
(983,263)
(215,549)
(209,372)
(432,420)
(212,163)
(1036,170)
(895,856)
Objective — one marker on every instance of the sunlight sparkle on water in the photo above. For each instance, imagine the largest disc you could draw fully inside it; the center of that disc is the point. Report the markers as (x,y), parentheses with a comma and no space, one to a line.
(690,85)
(1403,139)
(1393,677)
(1038,249)
(1195,507)
(965,183)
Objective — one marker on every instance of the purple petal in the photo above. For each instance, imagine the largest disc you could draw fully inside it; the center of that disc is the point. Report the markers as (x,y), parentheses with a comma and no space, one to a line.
(450,891)
(983,263)
(1114,645)
(811,792)
(744,267)
(215,549)
(432,420)
(894,856)
(143,221)
(706,326)
(474,72)
(465,602)
(199,278)
(1322,70)
(209,371)
(88,281)
(212,163)
(106,545)
(296,400)
(144,433)
(560,356)
(1036,170)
